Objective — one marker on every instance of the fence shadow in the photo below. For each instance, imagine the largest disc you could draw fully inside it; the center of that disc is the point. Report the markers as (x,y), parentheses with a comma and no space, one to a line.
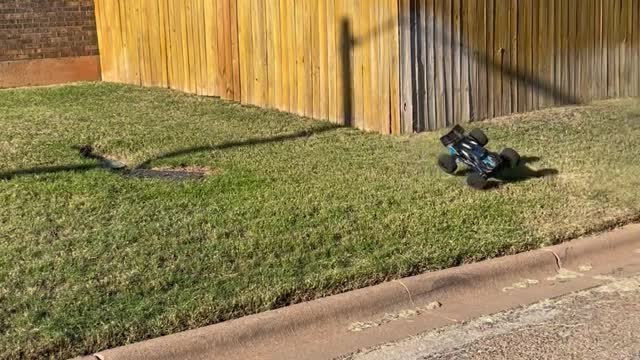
(87,152)
(241,143)
(38,170)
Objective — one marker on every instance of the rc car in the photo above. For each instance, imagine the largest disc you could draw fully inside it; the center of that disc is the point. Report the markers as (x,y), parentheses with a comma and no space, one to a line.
(469,149)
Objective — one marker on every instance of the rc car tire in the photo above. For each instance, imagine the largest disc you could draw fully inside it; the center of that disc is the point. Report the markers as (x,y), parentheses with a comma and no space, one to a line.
(476,181)
(511,157)
(447,163)
(479,136)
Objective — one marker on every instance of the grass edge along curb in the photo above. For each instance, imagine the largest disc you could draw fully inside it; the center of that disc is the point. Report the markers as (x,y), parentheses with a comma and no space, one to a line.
(385,297)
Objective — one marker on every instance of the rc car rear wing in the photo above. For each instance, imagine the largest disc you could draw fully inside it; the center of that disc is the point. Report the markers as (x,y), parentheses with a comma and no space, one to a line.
(455,135)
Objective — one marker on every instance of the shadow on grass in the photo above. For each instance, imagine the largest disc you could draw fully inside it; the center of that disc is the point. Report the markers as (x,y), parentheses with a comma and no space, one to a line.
(521,173)
(8,175)
(87,152)
(241,143)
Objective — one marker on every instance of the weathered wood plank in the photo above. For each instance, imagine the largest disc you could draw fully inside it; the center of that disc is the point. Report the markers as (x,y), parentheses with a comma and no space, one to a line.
(633,59)
(602,56)
(406,86)
(471,22)
(530,42)
(273,54)
(557,39)
(292,51)
(513,58)
(627,51)
(235,51)
(301,77)
(592,72)
(259,36)
(164,46)
(535,55)
(182,46)
(542,52)
(314,45)
(333,61)
(355,18)
(430,75)
(616,47)
(441,39)
(201,47)
(211,47)
(244,48)
(501,63)
(493,60)
(420,43)
(456,38)
(192,68)
(521,69)
(323,65)
(369,21)
(394,76)
(448,38)
(484,61)
(385,84)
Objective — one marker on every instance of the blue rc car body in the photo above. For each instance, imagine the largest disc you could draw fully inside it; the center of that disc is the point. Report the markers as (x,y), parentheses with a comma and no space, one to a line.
(469,149)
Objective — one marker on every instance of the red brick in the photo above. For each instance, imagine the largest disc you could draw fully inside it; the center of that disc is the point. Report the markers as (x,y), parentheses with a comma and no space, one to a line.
(34,29)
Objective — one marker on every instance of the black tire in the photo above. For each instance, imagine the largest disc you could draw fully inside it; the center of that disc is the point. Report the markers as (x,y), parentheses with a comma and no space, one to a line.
(479,136)
(477,181)
(447,163)
(511,157)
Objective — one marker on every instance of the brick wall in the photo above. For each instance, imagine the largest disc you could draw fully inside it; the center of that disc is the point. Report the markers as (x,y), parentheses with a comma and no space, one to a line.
(41,29)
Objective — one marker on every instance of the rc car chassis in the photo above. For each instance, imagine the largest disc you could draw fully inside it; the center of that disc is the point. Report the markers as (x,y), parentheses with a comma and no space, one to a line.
(469,149)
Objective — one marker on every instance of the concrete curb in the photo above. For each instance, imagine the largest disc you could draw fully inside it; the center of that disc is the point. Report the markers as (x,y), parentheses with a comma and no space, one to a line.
(273,326)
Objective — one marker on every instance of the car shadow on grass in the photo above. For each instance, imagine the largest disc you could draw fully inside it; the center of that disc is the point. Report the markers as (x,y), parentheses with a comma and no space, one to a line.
(522,172)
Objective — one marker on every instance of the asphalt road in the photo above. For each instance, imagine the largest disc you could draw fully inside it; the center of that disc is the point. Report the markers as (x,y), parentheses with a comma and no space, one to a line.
(600,323)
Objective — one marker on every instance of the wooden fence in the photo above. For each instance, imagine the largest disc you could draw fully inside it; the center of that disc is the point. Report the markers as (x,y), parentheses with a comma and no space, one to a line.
(392,66)
(468,60)
(293,55)
(182,44)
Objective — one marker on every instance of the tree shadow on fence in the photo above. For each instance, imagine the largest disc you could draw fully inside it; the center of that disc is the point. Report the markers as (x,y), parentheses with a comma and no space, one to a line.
(348,42)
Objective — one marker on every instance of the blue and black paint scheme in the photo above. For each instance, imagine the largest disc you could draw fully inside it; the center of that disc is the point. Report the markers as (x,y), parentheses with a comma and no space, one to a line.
(467,150)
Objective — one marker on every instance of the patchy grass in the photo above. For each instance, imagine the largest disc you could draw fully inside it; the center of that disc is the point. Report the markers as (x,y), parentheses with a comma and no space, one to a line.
(297,209)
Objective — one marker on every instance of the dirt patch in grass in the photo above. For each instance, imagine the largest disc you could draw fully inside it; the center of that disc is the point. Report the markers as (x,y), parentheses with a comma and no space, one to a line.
(200,170)
(173,173)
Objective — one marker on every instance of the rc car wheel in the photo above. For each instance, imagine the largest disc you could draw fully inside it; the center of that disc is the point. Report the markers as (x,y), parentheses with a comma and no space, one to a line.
(479,136)
(511,157)
(476,181)
(447,163)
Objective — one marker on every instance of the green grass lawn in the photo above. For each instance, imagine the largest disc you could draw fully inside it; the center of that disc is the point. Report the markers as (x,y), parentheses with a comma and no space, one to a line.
(293,209)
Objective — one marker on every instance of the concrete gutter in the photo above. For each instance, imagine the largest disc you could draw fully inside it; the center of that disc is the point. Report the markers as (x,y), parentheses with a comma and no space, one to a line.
(340,324)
